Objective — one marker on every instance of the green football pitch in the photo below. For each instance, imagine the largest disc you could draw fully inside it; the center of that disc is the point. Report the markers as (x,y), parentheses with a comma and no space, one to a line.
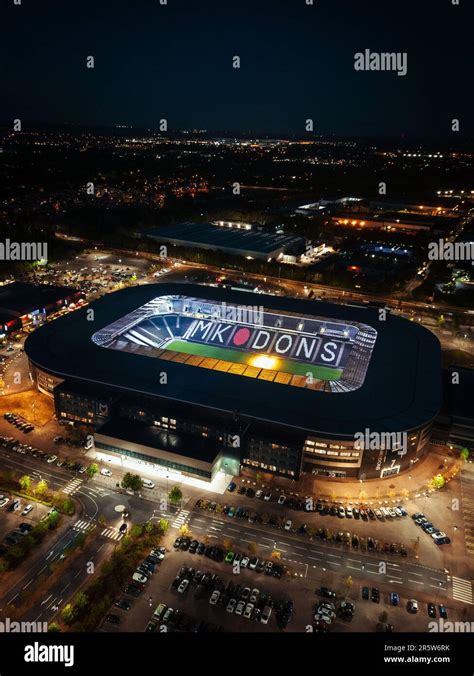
(227,354)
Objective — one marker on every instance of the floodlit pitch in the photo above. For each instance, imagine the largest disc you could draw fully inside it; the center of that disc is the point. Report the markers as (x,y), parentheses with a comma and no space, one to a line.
(307,351)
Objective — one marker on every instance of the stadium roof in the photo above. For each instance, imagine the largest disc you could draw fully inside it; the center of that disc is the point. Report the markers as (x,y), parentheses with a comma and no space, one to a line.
(401,391)
(260,243)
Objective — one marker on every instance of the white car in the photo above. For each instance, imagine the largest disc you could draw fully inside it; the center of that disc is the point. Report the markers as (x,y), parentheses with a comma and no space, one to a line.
(138,577)
(322,616)
(267,496)
(282,499)
(215,596)
(240,608)
(245,562)
(105,472)
(51,459)
(266,614)
(259,493)
(183,586)
(288,524)
(27,510)
(3,501)
(254,595)
(147,483)
(248,611)
(349,512)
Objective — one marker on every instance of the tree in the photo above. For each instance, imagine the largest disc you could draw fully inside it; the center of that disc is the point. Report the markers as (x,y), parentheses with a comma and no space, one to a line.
(464,454)
(252,548)
(136,530)
(25,482)
(41,487)
(92,470)
(53,627)
(276,555)
(163,525)
(132,481)
(149,527)
(184,529)
(349,581)
(228,543)
(68,613)
(175,495)
(81,600)
(363,495)
(437,482)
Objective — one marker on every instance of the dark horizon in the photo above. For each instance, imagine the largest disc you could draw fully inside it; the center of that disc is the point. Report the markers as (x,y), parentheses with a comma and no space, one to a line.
(297,63)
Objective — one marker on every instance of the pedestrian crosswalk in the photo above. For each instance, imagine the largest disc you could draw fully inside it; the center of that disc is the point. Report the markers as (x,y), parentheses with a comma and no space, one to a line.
(90,526)
(182,517)
(112,533)
(462,590)
(85,526)
(72,486)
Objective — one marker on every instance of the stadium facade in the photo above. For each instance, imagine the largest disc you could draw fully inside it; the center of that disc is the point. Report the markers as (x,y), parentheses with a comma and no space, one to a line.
(200,380)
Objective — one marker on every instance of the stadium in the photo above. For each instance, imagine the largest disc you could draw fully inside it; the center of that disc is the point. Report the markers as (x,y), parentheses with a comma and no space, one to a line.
(201,381)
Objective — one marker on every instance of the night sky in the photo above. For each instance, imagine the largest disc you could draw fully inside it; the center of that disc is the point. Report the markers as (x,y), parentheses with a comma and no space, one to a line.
(297,62)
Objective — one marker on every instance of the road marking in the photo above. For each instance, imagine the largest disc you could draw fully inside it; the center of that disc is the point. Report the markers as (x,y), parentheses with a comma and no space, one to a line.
(462,590)
(415,581)
(28,584)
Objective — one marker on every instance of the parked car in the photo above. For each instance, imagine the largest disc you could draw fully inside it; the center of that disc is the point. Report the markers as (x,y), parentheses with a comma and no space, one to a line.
(215,596)
(412,606)
(27,510)
(394,599)
(105,472)
(139,577)
(183,586)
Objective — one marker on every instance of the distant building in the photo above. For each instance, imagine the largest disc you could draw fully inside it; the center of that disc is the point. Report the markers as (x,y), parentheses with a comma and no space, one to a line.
(238,239)
(22,304)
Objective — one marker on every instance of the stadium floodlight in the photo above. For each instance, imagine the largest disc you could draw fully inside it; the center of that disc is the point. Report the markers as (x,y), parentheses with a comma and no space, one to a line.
(263,361)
